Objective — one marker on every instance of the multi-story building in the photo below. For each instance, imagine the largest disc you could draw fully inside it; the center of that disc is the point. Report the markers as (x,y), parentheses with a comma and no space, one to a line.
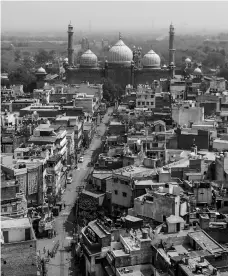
(18,247)
(29,175)
(13,92)
(89,103)
(13,201)
(55,176)
(145,98)
(72,123)
(177,89)
(52,135)
(157,205)
(121,250)
(203,254)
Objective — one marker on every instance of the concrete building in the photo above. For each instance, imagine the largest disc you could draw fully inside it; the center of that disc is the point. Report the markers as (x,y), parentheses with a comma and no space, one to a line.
(19,104)
(121,186)
(18,247)
(89,103)
(8,119)
(55,176)
(184,114)
(13,92)
(158,205)
(52,135)
(29,176)
(169,253)
(44,111)
(42,95)
(75,124)
(221,168)
(96,242)
(13,201)
(177,89)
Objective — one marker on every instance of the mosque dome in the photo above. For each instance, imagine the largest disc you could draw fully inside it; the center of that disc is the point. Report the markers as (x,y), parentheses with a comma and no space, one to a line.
(188,60)
(88,59)
(41,70)
(197,71)
(120,54)
(151,59)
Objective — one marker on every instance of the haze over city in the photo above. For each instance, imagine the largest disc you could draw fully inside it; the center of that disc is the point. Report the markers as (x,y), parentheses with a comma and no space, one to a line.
(87,16)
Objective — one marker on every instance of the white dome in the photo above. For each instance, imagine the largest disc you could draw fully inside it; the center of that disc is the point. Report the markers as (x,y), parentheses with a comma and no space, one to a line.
(120,53)
(197,71)
(88,59)
(41,70)
(65,60)
(151,59)
(188,60)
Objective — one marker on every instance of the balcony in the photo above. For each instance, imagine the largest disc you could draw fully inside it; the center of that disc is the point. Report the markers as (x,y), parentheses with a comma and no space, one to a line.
(93,247)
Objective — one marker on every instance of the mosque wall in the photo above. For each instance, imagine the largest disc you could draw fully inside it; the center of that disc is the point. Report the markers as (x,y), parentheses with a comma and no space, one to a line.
(148,76)
(121,76)
(81,75)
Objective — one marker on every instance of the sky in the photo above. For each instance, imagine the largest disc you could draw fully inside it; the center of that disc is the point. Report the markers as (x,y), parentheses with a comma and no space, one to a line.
(111,15)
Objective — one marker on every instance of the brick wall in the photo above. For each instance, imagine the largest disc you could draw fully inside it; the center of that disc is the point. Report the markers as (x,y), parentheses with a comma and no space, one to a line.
(20,259)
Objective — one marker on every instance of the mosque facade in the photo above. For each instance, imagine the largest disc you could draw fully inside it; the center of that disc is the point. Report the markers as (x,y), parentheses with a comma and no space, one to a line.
(123,65)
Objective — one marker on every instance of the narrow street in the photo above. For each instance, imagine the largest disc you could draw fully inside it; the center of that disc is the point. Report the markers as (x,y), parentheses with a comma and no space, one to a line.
(66,217)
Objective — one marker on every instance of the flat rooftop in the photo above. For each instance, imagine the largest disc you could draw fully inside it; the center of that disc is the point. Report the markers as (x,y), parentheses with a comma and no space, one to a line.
(15,223)
(131,171)
(136,270)
(206,242)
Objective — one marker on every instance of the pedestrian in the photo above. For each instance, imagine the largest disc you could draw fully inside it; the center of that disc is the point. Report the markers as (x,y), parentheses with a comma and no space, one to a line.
(48,253)
(44,250)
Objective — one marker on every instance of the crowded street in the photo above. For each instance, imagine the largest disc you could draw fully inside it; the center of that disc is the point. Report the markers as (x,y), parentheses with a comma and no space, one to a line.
(64,223)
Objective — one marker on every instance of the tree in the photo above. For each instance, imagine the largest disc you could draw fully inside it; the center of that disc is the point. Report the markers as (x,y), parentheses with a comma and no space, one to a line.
(17,55)
(223,73)
(22,75)
(214,59)
(28,63)
(42,57)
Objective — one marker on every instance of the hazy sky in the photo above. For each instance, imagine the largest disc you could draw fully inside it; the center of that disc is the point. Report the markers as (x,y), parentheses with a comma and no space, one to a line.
(55,15)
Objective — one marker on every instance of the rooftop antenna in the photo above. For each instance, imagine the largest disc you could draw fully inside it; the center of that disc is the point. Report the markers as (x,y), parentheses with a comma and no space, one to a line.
(120,36)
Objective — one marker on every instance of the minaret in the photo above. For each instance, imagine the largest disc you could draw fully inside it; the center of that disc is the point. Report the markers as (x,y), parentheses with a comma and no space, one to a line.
(171,50)
(70,45)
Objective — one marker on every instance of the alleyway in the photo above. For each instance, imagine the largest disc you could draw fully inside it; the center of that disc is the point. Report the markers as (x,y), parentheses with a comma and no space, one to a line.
(64,222)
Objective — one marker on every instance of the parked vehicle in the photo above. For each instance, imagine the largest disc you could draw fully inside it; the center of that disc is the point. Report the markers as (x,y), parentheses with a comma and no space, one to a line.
(69,180)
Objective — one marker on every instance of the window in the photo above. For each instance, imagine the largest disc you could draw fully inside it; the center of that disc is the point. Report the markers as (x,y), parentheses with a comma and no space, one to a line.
(152,96)
(147,103)
(116,192)
(4,209)
(139,103)
(124,194)
(143,103)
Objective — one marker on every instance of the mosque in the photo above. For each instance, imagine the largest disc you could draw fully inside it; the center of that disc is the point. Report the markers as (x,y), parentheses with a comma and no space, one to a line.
(123,65)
